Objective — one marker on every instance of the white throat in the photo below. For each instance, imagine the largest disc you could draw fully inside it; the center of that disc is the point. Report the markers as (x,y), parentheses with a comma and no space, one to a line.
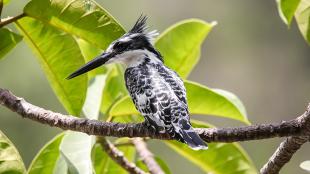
(134,58)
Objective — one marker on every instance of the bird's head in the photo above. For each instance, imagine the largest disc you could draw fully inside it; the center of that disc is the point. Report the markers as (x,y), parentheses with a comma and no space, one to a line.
(126,49)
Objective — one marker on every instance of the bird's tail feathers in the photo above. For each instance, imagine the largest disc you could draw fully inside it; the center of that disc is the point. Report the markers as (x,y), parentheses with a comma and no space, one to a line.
(191,138)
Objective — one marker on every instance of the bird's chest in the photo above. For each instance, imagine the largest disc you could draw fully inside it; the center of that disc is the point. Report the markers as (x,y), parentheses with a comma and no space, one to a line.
(140,80)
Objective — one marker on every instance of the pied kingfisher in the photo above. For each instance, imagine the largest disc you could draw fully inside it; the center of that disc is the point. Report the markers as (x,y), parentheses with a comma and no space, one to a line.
(157,91)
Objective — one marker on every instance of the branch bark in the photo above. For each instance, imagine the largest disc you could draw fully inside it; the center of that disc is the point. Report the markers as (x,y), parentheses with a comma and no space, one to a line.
(147,156)
(297,130)
(94,127)
(119,157)
(287,148)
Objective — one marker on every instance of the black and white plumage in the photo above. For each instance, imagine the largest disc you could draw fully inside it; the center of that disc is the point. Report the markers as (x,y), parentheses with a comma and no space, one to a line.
(157,91)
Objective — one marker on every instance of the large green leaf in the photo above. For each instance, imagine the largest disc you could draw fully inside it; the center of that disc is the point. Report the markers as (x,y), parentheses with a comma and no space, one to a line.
(85,19)
(59,55)
(89,52)
(10,160)
(180,44)
(302,16)
(287,9)
(46,160)
(8,41)
(76,147)
(103,164)
(201,100)
(115,88)
(220,158)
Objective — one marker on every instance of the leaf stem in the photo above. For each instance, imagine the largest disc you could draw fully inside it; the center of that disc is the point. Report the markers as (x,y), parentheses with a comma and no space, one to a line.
(9,20)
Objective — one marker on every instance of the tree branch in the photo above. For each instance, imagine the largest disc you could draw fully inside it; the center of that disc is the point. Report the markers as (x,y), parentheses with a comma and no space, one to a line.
(287,148)
(119,157)
(9,20)
(147,156)
(94,127)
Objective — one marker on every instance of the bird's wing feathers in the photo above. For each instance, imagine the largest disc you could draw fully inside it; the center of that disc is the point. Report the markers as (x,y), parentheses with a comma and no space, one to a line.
(158,95)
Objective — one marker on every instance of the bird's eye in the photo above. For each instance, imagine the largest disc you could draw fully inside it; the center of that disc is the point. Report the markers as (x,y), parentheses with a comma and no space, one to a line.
(119,45)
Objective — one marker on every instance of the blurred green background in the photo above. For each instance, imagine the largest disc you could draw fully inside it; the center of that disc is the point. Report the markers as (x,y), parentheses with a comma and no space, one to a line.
(251,53)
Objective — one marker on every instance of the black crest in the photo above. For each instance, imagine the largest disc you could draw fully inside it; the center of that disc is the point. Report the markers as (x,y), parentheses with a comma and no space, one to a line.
(140,26)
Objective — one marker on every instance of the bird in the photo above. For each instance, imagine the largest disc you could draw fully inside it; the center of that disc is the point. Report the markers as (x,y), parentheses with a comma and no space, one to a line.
(157,91)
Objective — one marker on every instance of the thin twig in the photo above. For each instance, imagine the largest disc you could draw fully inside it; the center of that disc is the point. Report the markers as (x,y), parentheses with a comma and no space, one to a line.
(95,127)
(9,20)
(287,148)
(118,156)
(147,156)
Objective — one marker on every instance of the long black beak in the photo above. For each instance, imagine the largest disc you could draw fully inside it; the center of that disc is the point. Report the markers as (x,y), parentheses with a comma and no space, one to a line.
(96,62)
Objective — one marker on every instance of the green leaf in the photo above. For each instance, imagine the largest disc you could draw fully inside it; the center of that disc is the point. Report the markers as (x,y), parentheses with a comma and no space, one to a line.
(46,160)
(9,40)
(287,9)
(76,147)
(92,103)
(59,55)
(180,44)
(10,160)
(201,100)
(305,165)
(220,158)
(90,52)
(159,161)
(115,88)
(6,1)
(86,20)
(103,164)
(302,16)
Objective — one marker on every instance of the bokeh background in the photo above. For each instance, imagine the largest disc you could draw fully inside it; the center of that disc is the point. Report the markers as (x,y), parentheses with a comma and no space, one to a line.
(251,52)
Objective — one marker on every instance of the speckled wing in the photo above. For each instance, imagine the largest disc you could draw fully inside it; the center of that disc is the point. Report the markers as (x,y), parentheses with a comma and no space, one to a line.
(159,96)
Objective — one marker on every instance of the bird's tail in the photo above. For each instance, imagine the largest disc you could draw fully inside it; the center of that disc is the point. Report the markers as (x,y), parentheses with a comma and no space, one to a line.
(191,138)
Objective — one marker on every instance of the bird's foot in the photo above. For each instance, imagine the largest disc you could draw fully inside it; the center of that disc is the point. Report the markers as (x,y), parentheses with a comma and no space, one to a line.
(150,127)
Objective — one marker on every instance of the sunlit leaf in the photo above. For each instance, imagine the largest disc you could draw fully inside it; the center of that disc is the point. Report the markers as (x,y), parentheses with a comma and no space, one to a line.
(114,88)
(287,9)
(302,16)
(6,1)
(46,159)
(305,165)
(180,44)
(89,52)
(201,100)
(159,161)
(220,158)
(10,160)
(59,55)
(88,20)
(92,103)
(76,147)
(9,40)
(103,164)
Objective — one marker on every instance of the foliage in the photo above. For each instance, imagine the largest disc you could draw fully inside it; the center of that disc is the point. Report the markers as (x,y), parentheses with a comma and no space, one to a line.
(301,10)
(10,160)
(65,34)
